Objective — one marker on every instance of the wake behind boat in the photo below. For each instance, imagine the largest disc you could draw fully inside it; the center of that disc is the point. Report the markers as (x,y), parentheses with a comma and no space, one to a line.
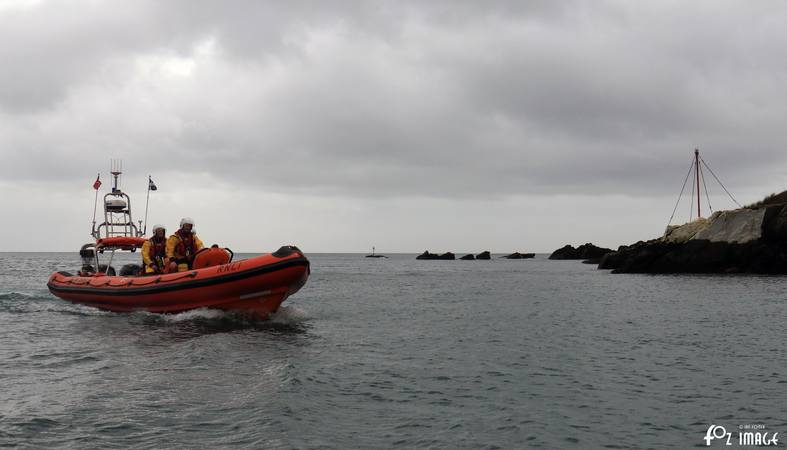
(256,285)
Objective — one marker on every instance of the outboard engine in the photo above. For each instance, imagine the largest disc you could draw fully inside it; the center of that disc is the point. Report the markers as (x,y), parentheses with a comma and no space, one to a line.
(88,255)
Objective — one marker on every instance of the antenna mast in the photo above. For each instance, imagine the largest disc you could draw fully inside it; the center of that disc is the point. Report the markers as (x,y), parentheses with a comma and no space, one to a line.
(116,169)
(697,173)
(117,209)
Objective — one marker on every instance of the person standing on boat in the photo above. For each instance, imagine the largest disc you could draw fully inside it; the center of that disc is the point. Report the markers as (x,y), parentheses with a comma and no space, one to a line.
(183,245)
(154,251)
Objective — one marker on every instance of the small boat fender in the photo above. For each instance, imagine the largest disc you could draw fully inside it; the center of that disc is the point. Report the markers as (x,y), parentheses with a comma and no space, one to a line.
(213,256)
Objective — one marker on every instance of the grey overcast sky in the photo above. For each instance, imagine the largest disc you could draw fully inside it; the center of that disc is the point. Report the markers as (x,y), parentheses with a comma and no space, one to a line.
(336,126)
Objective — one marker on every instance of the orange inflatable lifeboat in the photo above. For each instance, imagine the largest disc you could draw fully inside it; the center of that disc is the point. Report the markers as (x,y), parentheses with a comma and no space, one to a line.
(256,285)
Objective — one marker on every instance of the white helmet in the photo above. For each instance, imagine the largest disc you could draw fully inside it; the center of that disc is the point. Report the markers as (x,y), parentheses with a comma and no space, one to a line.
(186,220)
(157,227)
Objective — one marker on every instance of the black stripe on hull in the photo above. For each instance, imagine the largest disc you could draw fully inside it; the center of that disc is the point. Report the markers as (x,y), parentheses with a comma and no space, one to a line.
(147,290)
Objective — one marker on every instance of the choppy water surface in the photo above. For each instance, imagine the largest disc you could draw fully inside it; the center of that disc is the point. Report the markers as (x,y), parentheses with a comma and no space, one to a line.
(401,353)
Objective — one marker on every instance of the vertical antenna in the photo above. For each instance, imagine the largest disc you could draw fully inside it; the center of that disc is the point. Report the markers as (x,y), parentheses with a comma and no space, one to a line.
(116,170)
(697,172)
(691,202)
(147,201)
(96,185)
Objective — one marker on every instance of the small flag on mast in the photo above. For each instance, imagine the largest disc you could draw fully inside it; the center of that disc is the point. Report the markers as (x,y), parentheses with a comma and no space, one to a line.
(151,184)
(97,183)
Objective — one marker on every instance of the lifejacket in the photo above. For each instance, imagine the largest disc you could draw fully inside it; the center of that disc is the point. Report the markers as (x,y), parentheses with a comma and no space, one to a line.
(186,247)
(158,248)
(157,251)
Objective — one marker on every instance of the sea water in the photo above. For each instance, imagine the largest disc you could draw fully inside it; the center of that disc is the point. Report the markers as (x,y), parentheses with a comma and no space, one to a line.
(399,353)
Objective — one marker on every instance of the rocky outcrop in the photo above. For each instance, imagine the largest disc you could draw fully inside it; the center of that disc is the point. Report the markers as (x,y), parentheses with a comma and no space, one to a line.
(682,233)
(485,255)
(739,241)
(588,252)
(517,255)
(432,256)
(740,225)
(468,258)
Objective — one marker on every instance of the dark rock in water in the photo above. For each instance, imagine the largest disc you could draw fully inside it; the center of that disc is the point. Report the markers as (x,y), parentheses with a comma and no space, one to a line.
(517,255)
(427,255)
(695,256)
(468,258)
(698,256)
(431,256)
(483,255)
(588,252)
(447,255)
(766,254)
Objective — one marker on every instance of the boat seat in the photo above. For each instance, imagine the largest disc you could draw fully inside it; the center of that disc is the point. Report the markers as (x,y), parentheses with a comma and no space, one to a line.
(209,257)
(133,270)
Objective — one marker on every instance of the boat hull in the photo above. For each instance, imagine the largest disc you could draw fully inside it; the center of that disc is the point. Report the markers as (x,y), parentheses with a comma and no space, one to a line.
(255,285)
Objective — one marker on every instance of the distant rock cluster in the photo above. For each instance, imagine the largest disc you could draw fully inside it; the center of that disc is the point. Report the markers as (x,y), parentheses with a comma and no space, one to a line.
(485,255)
(752,239)
(517,255)
(589,253)
(444,256)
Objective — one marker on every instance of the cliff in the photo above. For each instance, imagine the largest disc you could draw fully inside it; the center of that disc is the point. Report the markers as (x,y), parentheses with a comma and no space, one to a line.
(746,240)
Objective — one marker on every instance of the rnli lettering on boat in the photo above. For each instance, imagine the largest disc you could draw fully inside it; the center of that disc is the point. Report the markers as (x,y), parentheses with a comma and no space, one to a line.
(231,267)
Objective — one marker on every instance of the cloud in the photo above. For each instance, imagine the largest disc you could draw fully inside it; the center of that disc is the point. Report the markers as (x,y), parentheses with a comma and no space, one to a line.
(396,100)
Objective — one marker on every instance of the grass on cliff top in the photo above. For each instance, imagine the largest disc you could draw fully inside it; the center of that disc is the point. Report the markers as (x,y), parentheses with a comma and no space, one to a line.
(773,199)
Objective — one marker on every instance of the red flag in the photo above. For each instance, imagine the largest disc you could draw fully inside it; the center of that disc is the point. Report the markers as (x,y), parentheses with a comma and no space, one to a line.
(97,183)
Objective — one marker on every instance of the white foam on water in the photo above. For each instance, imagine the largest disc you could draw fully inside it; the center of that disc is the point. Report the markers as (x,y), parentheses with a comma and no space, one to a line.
(289,315)
(202,313)
(82,310)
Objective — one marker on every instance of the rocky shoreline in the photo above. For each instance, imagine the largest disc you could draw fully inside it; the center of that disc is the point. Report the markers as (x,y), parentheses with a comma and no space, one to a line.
(746,240)
(752,239)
